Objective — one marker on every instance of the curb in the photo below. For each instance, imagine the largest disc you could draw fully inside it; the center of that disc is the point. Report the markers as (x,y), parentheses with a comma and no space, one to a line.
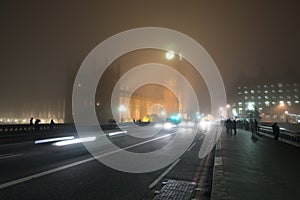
(218,191)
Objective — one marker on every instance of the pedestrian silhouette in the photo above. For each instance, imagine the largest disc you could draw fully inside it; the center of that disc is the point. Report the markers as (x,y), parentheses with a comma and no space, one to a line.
(276,131)
(31,121)
(36,124)
(234,126)
(255,126)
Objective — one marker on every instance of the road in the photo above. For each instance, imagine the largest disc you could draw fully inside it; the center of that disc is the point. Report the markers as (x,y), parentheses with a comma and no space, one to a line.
(46,171)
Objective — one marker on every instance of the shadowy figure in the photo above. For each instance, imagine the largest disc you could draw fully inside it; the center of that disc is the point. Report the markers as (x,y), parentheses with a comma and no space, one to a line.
(51,124)
(276,131)
(234,126)
(228,124)
(31,121)
(36,124)
(255,126)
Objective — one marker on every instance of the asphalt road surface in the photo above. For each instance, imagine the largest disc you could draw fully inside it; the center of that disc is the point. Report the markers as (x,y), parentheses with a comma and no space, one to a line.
(48,171)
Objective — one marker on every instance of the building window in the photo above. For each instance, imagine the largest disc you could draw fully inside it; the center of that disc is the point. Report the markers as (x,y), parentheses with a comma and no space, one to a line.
(296,102)
(280,85)
(246,92)
(266,97)
(259,97)
(296,97)
(267,103)
(289,103)
(280,91)
(252,92)
(266,91)
(273,102)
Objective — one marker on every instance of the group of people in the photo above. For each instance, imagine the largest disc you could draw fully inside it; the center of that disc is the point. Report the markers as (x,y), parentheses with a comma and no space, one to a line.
(230,126)
(37,121)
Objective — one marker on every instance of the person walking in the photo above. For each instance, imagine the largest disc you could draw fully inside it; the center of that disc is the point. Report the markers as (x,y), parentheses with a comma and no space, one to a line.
(276,131)
(234,126)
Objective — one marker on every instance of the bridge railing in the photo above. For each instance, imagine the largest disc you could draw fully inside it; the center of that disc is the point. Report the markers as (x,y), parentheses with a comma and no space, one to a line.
(26,128)
(287,136)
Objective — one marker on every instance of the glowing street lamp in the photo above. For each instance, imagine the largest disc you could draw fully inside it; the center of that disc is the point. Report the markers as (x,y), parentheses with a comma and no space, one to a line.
(170,55)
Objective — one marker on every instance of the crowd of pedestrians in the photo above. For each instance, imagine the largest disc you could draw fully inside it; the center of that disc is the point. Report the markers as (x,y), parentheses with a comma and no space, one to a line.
(251,125)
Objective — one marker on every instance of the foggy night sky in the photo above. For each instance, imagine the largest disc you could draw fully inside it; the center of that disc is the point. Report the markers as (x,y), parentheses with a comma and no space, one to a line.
(44,42)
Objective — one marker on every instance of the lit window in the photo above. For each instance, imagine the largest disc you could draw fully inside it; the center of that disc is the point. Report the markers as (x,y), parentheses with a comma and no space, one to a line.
(259,97)
(252,92)
(273,91)
(273,102)
(266,97)
(252,97)
(259,103)
(240,108)
(246,92)
(240,93)
(265,86)
(296,102)
(240,103)
(296,97)
(272,85)
(246,97)
(267,103)
(258,86)
(280,91)
(279,84)
(245,87)
(289,103)
(266,91)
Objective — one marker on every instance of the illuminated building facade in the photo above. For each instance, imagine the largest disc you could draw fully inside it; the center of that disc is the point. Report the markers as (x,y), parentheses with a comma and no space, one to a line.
(273,101)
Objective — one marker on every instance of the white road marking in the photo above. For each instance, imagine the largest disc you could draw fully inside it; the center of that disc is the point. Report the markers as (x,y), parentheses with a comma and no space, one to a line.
(27,178)
(191,146)
(200,138)
(163,174)
(9,155)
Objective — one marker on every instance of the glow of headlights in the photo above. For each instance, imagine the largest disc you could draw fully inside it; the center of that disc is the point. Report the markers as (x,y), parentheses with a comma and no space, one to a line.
(116,133)
(75,141)
(53,139)
(168,125)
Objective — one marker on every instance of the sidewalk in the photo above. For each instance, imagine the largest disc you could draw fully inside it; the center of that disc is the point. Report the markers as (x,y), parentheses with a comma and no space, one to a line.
(262,169)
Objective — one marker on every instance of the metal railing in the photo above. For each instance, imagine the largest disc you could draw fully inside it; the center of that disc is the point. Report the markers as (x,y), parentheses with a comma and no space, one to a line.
(287,136)
(26,128)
